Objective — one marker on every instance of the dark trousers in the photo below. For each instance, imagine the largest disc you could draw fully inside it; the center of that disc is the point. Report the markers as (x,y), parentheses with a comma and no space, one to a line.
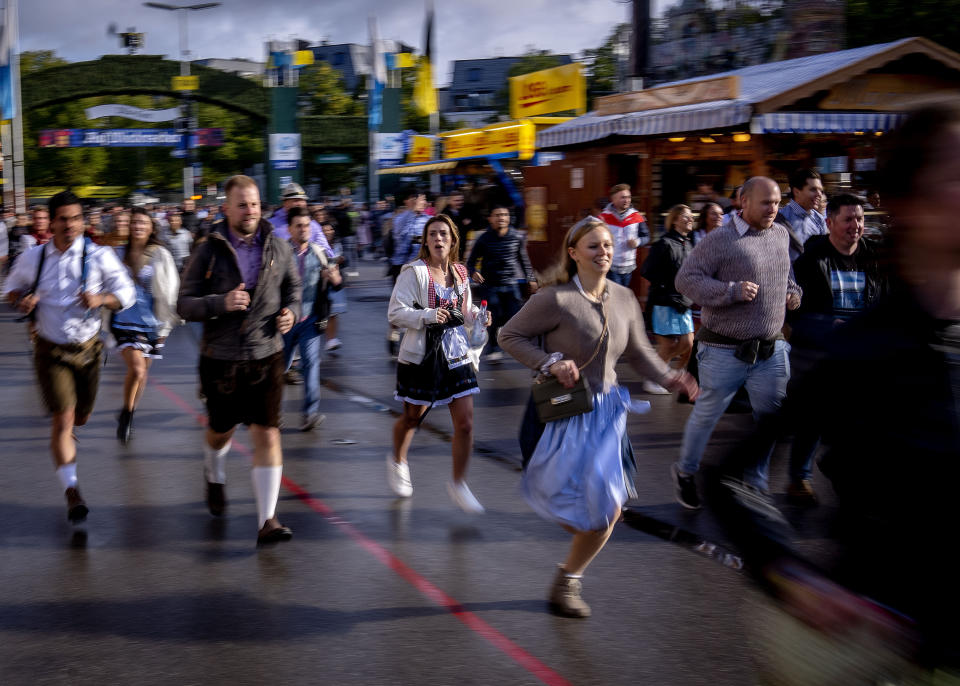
(502,302)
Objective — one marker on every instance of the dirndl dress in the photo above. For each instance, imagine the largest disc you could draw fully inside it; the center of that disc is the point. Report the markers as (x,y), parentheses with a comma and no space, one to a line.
(581,472)
(446,371)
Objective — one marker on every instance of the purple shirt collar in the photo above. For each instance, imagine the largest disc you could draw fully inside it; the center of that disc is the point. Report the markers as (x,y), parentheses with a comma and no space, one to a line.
(249,256)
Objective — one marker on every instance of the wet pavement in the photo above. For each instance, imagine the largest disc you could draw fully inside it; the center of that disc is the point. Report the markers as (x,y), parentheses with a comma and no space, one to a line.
(372,589)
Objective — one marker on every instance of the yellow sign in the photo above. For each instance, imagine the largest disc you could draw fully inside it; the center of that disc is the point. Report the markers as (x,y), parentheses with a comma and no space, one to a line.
(421,149)
(502,137)
(185,83)
(550,90)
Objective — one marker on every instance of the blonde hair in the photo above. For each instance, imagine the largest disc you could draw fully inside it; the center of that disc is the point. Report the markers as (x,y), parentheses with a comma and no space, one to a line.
(675,212)
(424,253)
(564,269)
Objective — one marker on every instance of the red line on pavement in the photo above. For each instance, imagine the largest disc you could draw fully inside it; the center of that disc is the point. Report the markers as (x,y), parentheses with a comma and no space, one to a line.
(400,568)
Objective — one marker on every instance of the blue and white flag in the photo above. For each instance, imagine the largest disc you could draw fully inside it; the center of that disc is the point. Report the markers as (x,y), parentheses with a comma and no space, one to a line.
(8,45)
(378,77)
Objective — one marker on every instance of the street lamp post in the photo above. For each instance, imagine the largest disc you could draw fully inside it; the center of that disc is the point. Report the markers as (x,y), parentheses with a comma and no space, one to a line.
(187,105)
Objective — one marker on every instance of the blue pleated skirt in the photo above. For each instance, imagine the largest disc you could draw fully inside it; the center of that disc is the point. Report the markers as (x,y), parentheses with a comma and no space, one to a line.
(580,473)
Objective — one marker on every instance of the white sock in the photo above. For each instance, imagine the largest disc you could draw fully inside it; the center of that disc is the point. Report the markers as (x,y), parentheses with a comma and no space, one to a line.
(266,488)
(215,463)
(68,475)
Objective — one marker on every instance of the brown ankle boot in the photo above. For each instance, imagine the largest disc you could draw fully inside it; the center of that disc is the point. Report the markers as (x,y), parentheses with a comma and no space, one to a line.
(565,597)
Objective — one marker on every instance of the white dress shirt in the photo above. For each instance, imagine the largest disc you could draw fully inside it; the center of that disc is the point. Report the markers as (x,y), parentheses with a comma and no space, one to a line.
(60,314)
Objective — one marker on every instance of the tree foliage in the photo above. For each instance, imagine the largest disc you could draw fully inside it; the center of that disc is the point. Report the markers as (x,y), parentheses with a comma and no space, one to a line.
(871,22)
(602,68)
(148,166)
(325,93)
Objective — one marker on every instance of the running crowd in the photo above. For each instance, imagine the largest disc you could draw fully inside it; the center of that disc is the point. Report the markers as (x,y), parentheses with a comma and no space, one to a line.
(827,333)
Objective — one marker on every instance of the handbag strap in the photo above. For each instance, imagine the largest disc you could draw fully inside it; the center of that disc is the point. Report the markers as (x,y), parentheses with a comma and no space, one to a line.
(603,334)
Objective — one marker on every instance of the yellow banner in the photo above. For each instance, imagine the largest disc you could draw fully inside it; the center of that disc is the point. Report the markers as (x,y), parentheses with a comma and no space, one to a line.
(421,149)
(503,137)
(185,83)
(550,90)
(303,58)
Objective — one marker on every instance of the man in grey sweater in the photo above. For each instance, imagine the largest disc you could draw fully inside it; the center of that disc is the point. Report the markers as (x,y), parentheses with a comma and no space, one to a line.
(740,275)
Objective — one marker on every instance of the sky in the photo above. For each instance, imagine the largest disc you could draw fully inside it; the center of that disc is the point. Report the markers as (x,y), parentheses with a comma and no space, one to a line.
(464,29)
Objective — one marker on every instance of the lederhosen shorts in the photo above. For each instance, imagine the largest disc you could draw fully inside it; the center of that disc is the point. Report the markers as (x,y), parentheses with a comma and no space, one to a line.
(242,391)
(68,374)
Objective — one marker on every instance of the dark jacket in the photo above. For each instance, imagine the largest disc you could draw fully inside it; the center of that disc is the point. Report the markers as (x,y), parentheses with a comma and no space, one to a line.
(815,318)
(884,400)
(213,271)
(504,258)
(661,267)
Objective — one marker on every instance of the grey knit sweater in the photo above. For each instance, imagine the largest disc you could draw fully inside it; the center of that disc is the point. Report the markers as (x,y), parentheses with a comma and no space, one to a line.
(571,324)
(712,274)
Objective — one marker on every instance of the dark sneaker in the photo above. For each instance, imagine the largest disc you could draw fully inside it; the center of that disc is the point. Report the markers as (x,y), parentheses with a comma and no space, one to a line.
(801,494)
(76,507)
(292,378)
(565,599)
(686,487)
(216,499)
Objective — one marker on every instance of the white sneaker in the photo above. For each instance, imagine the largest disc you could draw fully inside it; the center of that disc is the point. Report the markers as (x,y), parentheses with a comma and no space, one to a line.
(495,356)
(654,388)
(465,500)
(332,344)
(398,476)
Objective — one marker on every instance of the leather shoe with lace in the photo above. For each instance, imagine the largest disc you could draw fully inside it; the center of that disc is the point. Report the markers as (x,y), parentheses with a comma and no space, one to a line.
(272,532)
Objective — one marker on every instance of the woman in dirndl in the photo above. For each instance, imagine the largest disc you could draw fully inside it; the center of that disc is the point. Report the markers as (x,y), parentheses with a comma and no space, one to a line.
(581,471)
(140,330)
(672,318)
(431,302)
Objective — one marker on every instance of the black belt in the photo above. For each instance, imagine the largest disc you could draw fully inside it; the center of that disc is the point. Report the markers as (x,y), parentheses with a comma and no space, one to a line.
(750,351)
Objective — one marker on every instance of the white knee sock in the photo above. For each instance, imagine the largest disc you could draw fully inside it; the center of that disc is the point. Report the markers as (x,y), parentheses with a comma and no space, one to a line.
(215,463)
(68,475)
(266,487)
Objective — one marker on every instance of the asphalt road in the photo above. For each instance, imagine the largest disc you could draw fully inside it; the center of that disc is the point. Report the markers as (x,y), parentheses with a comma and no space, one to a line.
(372,589)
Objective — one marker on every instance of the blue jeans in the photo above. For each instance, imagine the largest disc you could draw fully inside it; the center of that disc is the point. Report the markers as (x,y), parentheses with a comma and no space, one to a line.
(502,302)
(621,278)
(305,335)
(721,375)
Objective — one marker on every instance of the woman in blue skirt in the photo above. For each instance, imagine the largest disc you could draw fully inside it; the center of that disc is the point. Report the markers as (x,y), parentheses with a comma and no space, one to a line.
(580,472)
(140,330)
(671,316)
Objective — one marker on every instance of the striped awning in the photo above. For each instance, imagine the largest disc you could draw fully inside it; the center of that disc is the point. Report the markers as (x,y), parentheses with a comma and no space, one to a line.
(824,122)
(697,117)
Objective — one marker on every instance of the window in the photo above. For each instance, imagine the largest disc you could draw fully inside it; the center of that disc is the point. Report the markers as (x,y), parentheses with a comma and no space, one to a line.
(474,74)
(339,58)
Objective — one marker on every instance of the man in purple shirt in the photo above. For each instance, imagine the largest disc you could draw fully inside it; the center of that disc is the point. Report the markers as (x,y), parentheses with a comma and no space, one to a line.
(243,284)
(293,196)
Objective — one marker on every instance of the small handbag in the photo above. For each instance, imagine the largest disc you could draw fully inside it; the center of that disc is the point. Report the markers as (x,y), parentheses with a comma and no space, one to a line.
(553,401)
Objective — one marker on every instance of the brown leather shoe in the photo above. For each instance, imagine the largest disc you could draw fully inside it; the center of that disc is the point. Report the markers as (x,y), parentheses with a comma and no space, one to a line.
(273,532)
(801,494)
(76,507)
(216,499)
(565,597)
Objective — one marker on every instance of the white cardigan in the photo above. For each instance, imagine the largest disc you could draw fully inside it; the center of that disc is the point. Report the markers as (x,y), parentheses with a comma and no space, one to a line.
(412,288)
(164,287)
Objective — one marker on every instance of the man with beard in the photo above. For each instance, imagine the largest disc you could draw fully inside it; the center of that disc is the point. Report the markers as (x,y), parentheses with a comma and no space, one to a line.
(243,284)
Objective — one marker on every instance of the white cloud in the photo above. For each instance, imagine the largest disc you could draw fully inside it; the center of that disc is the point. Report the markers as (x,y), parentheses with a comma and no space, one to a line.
(239,28)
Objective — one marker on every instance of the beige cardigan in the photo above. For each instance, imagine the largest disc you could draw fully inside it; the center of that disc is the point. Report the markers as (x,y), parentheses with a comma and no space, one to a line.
(571,324)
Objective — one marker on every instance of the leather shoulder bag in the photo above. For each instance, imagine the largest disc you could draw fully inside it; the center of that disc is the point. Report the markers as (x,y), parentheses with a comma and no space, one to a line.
(553,401)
